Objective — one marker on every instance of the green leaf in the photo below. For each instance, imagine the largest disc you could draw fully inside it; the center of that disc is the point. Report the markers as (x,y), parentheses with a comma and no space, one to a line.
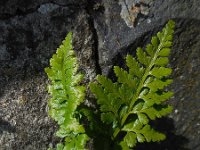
(167,44)
(134,67)
(124,77)
(154,113)
(66,94)
(133,126)
(164,52)
(149,49)
(109,102)
(59,146)
(125,94)
(152,135)
(62,132)
(107,117)
(140,138)
(123,111)
(156,84)
(162,61)
(139,92)
(143,118)
(130,139)
(156,98)
(93,119)
(160,72)
(81,141)
(107,84)
(142,57)
(138,107)
(124,146)
(155,41)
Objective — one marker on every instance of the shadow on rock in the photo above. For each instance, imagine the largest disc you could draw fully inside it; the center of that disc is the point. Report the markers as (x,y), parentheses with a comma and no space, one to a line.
(172,141)
(6,126)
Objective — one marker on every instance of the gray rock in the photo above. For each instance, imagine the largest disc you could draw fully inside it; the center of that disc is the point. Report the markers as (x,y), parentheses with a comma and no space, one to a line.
(47,8)
(103,34)
(114,34)
(117,38)
(130,9)
(27,41)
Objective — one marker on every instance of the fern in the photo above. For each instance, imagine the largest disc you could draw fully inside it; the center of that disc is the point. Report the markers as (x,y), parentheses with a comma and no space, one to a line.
(66,96)
(138,95)
(127,105)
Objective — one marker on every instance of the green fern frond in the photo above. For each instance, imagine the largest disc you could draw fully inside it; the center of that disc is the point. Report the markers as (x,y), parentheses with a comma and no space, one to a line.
(66,96)
(138,95)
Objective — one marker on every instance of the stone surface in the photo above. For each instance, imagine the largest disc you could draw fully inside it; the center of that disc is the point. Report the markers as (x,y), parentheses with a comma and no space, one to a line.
(116,38)
(114,34)
(27,41)
(131,9)
(104,32)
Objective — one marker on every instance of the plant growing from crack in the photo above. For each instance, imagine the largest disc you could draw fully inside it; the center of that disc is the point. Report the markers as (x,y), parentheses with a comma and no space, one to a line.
(125,106)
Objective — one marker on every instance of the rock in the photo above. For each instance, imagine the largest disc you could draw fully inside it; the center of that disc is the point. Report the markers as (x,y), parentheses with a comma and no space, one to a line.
(114,34)
(22,7)
(104,32)
(131,9)
(117,37)
(47,8)
(27,42)
(85,45)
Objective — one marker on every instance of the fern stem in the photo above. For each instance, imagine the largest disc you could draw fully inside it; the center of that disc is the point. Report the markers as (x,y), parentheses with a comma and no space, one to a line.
(117,130)
(140,86)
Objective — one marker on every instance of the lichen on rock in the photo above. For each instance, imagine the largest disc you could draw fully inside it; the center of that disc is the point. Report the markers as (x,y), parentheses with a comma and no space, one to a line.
(130,10)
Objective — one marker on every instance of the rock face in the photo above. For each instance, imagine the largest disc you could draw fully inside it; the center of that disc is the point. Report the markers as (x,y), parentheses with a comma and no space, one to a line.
(104,32)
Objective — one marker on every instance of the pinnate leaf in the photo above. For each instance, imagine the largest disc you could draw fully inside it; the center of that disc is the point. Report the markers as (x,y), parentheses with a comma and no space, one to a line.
(138,94)
(66,96)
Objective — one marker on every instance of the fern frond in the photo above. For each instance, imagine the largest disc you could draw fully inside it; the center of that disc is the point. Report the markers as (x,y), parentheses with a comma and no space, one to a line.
(138,95)
(66,96)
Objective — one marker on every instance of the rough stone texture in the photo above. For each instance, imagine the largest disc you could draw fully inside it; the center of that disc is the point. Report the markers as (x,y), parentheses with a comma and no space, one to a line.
(85,45)
(131,9)
(27,42)
(186,64)
(114,34)
(32,30)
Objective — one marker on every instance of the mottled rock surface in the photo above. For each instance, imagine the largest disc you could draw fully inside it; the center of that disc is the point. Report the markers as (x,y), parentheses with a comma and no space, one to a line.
(104,32)
(30,34)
